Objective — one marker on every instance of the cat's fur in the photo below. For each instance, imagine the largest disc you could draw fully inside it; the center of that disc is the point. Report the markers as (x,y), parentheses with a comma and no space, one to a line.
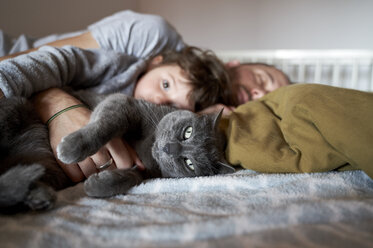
(30,174)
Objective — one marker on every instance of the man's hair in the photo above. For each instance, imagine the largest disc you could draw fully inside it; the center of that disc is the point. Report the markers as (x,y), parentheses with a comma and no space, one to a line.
(207,75)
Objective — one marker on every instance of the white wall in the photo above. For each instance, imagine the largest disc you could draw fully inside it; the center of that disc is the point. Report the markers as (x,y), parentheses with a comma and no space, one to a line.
(42,17)
(215,24)
(269,24)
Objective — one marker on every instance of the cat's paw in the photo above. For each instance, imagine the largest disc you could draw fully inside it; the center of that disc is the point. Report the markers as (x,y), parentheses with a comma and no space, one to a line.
(15,183)
(111,182)
(98,185)
(41,197)
(72,148)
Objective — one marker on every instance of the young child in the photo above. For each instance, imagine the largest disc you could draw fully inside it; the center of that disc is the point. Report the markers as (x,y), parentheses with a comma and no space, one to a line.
(192,79)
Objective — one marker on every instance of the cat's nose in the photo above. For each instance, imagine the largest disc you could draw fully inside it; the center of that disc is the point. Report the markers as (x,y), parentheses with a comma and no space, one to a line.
(172,148)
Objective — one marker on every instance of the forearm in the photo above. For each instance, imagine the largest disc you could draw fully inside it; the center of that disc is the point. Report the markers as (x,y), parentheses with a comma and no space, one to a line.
(17,54)
(53,100)
(38,71)
(84,40)
(50,102)
(57,67)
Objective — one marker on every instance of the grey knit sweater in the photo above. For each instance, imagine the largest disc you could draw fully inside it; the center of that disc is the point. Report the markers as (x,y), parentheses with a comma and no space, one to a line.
(101,71)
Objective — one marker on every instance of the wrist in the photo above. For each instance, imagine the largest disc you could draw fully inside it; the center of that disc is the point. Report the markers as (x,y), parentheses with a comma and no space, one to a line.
(52,101)
(63,111)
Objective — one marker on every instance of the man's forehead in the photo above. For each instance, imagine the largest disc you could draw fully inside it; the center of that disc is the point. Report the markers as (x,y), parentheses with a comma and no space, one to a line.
(270,69)
(244,71)
(251,66)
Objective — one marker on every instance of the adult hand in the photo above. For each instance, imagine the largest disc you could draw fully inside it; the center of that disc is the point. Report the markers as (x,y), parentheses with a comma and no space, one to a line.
(123,156)
(216,108)
(50,102)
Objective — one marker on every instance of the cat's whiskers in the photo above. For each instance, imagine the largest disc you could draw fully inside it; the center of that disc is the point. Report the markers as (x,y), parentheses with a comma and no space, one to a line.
(151,121)
(164,111)
(152,118)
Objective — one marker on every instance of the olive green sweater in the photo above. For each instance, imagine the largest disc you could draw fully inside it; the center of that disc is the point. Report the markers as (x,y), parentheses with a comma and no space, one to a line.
(303,128)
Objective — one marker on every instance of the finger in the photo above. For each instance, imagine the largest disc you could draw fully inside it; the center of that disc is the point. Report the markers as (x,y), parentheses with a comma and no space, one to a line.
(119,153)
(113,166)
(73,171)
(134,156)
(88,167)
(101,157)
(109,165)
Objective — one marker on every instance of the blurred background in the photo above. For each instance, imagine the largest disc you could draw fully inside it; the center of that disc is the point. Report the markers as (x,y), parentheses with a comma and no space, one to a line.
(213,24)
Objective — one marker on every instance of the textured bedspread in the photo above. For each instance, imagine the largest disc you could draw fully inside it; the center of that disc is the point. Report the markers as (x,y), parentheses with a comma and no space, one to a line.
(247,209)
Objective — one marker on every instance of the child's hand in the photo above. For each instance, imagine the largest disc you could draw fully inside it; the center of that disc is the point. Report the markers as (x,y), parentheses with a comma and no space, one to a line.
(216,108)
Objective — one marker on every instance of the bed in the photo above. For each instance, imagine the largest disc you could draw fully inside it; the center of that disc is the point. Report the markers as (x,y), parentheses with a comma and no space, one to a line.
(244,209)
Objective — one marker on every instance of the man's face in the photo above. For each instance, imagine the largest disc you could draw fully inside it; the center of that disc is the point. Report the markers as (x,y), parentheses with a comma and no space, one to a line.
(251,82)
(165,84)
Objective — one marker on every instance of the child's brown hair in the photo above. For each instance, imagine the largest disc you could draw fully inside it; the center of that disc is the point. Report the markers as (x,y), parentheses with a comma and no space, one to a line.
(207,75)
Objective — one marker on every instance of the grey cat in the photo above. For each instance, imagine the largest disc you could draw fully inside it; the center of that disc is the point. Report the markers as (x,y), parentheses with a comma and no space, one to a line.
(170,142)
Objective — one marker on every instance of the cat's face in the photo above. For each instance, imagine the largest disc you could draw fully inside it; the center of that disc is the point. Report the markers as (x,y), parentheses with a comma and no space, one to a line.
(187,145)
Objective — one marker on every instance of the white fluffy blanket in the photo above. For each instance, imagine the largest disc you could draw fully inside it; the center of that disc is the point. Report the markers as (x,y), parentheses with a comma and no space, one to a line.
(244,209)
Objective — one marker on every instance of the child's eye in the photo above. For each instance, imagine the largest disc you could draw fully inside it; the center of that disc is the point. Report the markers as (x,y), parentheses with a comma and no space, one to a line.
(165,84)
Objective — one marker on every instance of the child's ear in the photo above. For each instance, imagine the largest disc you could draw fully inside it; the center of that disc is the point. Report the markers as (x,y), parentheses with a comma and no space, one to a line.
(155,61)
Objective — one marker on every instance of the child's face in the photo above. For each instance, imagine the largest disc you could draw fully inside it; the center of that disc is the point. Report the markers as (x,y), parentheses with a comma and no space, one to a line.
(165,84)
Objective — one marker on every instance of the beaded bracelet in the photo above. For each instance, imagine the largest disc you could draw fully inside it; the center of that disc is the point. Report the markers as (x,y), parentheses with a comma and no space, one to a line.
(63,111)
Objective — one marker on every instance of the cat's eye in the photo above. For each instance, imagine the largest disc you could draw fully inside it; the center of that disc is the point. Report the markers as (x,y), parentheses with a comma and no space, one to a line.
(165,84)
(187,133)
(189,163)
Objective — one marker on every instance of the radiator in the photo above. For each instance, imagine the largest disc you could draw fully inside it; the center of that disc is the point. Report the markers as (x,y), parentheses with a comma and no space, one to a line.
(343,68)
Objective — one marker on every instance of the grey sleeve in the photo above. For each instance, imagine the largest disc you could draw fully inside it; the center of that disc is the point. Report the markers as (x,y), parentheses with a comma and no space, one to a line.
(56,67)
(140,35)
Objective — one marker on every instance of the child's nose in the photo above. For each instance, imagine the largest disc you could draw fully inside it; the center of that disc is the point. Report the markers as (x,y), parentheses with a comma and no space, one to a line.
(159,99)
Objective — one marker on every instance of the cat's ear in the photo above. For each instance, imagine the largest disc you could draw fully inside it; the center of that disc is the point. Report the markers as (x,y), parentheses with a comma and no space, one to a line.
(225,168)
(217,118)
